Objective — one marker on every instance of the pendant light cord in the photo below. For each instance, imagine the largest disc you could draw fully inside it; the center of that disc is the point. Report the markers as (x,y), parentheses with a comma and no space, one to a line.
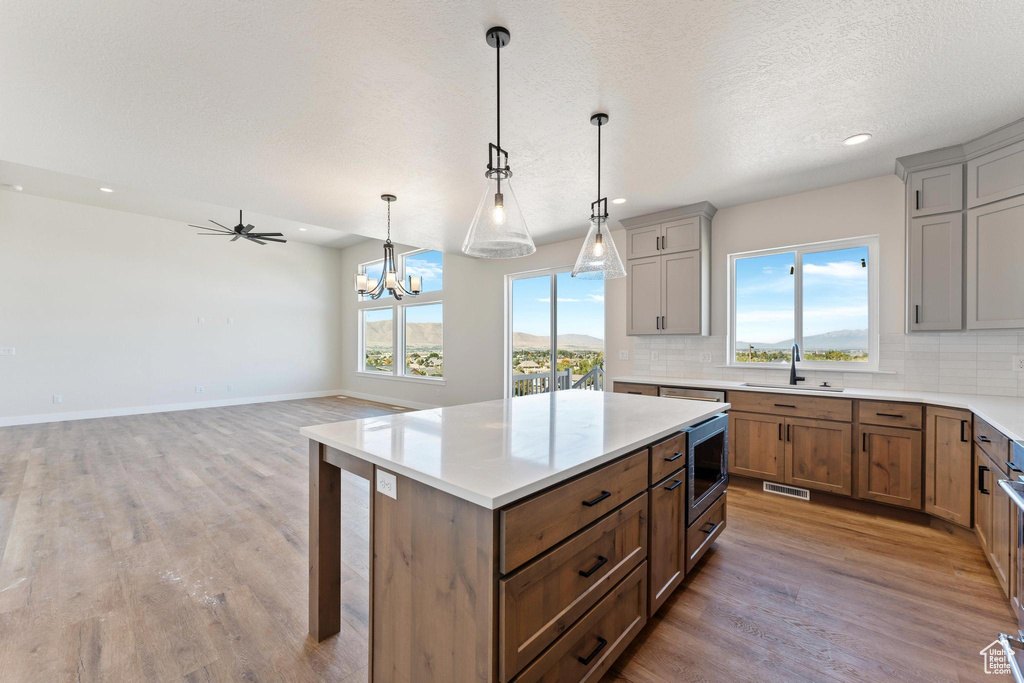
(389,220)
(599,161)
(498,81)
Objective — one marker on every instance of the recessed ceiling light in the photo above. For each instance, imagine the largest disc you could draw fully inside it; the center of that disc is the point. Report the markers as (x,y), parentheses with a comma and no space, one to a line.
(9,186)
(619,200)
(105,189)
(302,230)
(857,139)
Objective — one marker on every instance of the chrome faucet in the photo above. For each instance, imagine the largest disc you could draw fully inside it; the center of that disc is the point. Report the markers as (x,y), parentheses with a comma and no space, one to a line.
(793,379)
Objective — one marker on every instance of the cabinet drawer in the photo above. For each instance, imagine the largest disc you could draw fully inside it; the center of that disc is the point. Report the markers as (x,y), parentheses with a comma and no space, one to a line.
(667,457)
(702,533)
(538,523)
(992,441)
(590,647)
(797,406)
(889,414)
(631,388)
(544,598)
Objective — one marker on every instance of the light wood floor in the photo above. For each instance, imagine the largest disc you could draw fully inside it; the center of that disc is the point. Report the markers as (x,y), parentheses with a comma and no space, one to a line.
(173,547)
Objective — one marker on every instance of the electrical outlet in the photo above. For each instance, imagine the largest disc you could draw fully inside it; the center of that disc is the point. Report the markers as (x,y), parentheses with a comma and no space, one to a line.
(200,320)
(230,321)
(705,356)
(199,389)
(57,398)
(230,387)
(7,351)
(623,355)
(654,355)
(1018,363)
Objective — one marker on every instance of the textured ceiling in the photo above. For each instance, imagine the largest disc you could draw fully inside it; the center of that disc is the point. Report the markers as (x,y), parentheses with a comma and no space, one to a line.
(310,110)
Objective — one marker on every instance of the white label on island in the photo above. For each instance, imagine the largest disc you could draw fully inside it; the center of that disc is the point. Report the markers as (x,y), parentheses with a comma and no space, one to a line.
(387,484)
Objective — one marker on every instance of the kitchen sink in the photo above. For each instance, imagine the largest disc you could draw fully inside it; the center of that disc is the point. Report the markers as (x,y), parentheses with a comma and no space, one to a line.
(835,390)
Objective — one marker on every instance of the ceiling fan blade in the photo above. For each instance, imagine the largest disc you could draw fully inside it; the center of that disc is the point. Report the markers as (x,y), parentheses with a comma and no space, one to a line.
(213,230)
(247,229)
(212,234)
(253,239)
(216,223)
(273,239)
(266,234)
(235,238)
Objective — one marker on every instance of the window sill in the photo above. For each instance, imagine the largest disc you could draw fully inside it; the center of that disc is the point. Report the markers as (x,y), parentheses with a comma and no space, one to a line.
(439,381)
(805,368)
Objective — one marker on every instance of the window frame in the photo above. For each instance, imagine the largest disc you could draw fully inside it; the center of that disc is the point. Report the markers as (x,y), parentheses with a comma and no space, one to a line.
(798,251)
(398,322)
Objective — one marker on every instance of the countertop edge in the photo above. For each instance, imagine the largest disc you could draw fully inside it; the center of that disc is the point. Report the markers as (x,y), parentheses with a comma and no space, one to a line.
(521,492)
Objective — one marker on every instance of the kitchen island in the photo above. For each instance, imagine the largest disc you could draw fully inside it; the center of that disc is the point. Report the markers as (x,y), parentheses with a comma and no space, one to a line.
(510,539)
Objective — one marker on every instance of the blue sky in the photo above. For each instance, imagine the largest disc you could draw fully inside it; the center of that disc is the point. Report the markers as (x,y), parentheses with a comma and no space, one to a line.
(580,306)
(835,294)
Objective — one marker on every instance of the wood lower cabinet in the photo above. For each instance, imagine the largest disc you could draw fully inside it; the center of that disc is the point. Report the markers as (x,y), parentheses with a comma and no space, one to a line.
(1000,538)
(947,464)
(667,557)
(757,447)
(1016,568)
(984,478)
(818,455)
(889,466)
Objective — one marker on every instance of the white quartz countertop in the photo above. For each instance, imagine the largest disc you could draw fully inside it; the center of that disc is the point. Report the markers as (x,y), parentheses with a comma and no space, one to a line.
(1005,413)
(496,452)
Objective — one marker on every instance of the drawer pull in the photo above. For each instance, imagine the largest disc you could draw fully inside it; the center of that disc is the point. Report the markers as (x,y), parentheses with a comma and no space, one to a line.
(984,439)
(585,661)
(592,503)
(675,484)
(981,479)
(674,457)
(895,415)
(634,392)
(714,525)
(784,405)
(1013,468)
(963,426)
(600,563)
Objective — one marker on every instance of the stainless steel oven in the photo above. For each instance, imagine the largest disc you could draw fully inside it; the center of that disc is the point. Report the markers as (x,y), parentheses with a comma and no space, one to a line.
(708,464)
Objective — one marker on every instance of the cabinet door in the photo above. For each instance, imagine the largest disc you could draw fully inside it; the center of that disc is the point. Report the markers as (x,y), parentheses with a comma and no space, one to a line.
(818,455)
(996,175)
(1016,569)
(936,272)
(984,479)
(947,464)
(681,293)
(889,466)
(937,190)
(995,280)
(757,447)
(681,235)
(666,547)
(1000,539)
(643,242)
(644,290)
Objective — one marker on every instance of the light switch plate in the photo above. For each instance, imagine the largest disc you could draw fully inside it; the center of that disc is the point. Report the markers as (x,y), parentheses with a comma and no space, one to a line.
(623,355)
(1018,363)
(654,355)
(387,484)
(199,389)
(57,398)
(7,351)
(705,356)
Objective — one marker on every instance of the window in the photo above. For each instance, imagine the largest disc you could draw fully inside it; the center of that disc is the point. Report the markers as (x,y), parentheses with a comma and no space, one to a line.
(822,296)
(405,338)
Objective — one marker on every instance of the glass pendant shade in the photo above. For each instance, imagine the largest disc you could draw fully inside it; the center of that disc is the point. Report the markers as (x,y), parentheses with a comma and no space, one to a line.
(498,229)
(415,284)
(362,283)
(598,259)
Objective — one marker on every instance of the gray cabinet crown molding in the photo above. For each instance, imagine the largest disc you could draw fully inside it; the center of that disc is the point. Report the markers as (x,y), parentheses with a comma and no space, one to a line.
(995,139)
(705,209)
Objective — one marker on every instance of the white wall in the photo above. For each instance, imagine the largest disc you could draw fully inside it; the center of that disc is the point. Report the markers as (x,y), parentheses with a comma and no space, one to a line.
(103,306)
(474,325)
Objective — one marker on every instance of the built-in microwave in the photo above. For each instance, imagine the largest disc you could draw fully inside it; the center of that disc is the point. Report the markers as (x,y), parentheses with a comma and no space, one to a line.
(708,464)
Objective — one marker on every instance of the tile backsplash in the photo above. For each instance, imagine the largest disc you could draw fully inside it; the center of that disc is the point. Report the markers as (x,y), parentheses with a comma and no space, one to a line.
(977,362)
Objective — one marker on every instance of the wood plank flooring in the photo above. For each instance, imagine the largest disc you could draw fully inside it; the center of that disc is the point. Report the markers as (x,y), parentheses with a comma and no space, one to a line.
(173,547)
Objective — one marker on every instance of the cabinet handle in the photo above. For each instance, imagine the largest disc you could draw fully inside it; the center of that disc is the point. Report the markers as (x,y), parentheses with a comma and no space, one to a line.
(589,572)
(917,200)
(1013,468)
(592,503)
(917,314)
(662,322)
(657,243)
(784,405)
(657,322)
(895,415)
(714,525)
(787,433)
(675,484)
(674,457)
(981,479)
(780,431)
(963,428)
(636,393)
(864,441)
(984,439)
(585,661)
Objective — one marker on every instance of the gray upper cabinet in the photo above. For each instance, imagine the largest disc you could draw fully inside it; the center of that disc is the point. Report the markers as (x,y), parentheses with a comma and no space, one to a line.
(935,244)
(668,266)
(936,190)
(996,175)
(995,279)
(643,296)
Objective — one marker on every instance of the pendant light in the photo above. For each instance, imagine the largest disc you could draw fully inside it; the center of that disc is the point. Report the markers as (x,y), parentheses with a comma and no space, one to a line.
(389,272)
(498,229)
(599,259)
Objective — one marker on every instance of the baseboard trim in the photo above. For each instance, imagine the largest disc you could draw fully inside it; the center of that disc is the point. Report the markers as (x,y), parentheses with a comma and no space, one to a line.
(387,400)
(165,408)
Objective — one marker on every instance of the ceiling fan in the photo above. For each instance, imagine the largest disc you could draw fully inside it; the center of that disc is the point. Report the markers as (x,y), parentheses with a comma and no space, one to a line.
(240,230)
